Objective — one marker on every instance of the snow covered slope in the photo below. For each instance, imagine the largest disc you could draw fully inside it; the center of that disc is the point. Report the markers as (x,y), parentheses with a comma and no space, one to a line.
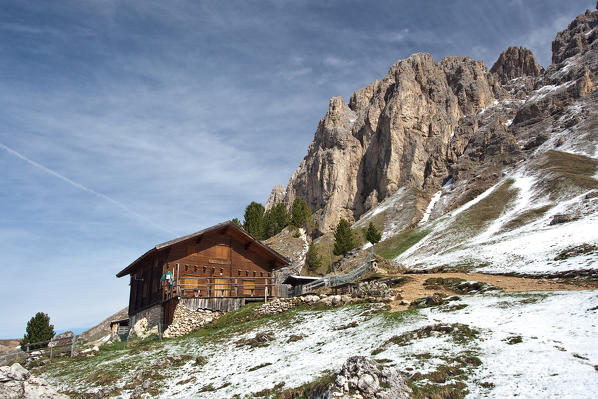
(498,345)
(540,217)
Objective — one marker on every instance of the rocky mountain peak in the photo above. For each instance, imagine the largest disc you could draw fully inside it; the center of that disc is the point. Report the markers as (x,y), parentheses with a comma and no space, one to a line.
(516,62)
(579,37)
(426,123)
(276,196)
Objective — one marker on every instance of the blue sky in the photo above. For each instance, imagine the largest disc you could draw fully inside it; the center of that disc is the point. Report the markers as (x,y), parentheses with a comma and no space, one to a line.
(128,123)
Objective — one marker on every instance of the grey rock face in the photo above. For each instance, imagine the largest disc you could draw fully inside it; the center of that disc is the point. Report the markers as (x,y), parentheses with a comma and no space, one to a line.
(516,62)
(276,196)
(394,132)
(426,122)
(577,38)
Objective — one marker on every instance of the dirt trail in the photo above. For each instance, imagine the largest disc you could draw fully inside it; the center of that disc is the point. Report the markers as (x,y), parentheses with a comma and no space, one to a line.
(414,288)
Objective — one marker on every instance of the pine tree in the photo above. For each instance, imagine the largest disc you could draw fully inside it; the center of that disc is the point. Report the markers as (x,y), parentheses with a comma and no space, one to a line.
(38,329)
(372,234)
(237,222)
(300,213)
(313,260)
(254,220)
(344,240)
(276,219)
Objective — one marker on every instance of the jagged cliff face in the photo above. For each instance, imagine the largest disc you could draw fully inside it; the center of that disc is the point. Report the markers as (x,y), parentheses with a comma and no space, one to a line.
(514,63)
(427,122)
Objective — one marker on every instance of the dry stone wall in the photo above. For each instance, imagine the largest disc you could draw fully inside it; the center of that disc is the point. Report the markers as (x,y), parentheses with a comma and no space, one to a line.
(186,320)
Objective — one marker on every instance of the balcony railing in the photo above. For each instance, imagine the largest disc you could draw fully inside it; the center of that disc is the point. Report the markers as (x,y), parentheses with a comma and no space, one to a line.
(221,287)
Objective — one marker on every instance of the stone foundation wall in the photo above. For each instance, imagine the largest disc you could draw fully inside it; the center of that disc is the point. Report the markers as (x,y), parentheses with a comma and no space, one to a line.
(153,316)
(186,320)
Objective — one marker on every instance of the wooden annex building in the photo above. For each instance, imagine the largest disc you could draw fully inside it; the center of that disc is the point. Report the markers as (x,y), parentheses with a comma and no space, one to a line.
(217,268)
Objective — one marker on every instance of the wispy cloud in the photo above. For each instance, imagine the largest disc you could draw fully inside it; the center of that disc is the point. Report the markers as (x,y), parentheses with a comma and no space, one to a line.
(83,188)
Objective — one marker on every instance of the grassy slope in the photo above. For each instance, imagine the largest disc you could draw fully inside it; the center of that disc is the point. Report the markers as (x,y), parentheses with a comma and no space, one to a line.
(458,229)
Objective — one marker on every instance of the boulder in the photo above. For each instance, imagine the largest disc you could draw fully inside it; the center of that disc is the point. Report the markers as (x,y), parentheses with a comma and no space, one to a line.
(361,377)
(141,329)
(17,383)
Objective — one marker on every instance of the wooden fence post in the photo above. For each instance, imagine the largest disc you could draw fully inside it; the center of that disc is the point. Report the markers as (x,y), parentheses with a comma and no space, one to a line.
(73,346)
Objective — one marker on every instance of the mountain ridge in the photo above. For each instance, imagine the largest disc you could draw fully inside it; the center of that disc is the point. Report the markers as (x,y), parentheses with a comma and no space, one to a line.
(426,123)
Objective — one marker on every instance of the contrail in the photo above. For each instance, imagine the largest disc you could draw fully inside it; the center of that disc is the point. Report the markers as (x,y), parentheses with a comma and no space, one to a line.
(84,188)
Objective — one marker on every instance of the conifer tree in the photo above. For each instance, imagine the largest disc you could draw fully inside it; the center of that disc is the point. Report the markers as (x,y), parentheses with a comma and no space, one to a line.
(276,219)
(313,259)
(344,240)
(237,222)
(254,220)
(38,329)
(300,213)
(372,234)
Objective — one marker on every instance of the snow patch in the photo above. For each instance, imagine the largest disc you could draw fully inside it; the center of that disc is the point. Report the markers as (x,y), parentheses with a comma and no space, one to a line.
(433,201)
(545,90)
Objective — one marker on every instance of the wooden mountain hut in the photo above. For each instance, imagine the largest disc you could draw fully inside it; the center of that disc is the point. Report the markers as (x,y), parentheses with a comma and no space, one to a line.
(218,268)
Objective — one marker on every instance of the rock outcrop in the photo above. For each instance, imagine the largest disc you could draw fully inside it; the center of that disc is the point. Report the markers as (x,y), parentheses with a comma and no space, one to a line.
(292,243)
(516,62)
(577,38)
(276,196)
(393,133)
(426,123)
(142,330)
(16,382)
(362,378)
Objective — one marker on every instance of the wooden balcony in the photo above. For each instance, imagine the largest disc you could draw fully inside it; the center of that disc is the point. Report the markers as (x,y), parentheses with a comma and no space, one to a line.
(221,287)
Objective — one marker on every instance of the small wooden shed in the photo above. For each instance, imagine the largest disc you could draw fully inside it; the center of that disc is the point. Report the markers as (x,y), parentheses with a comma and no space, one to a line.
(217,268)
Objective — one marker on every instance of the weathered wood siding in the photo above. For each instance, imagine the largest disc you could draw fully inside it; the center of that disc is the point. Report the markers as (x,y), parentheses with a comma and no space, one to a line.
(213,265)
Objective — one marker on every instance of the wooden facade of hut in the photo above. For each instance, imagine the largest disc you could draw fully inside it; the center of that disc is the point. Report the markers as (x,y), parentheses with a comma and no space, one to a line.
(217,268)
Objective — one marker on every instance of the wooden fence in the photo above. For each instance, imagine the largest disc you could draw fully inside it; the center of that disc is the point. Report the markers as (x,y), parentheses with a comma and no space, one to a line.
(46,348)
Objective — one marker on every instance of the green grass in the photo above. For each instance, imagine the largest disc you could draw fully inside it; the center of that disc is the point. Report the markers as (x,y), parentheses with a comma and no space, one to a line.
(458,285)
(525,218)
(402,317)
(447,381)
(325,246)
(568,172)
(460,333)
(311,389)
(486,210)
(394,246)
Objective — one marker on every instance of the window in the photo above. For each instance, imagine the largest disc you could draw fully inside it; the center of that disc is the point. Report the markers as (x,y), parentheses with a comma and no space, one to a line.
(195,269)
(261,274)
(253,274)
(204,270)
(186,268)
(239,272)
(221,271)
